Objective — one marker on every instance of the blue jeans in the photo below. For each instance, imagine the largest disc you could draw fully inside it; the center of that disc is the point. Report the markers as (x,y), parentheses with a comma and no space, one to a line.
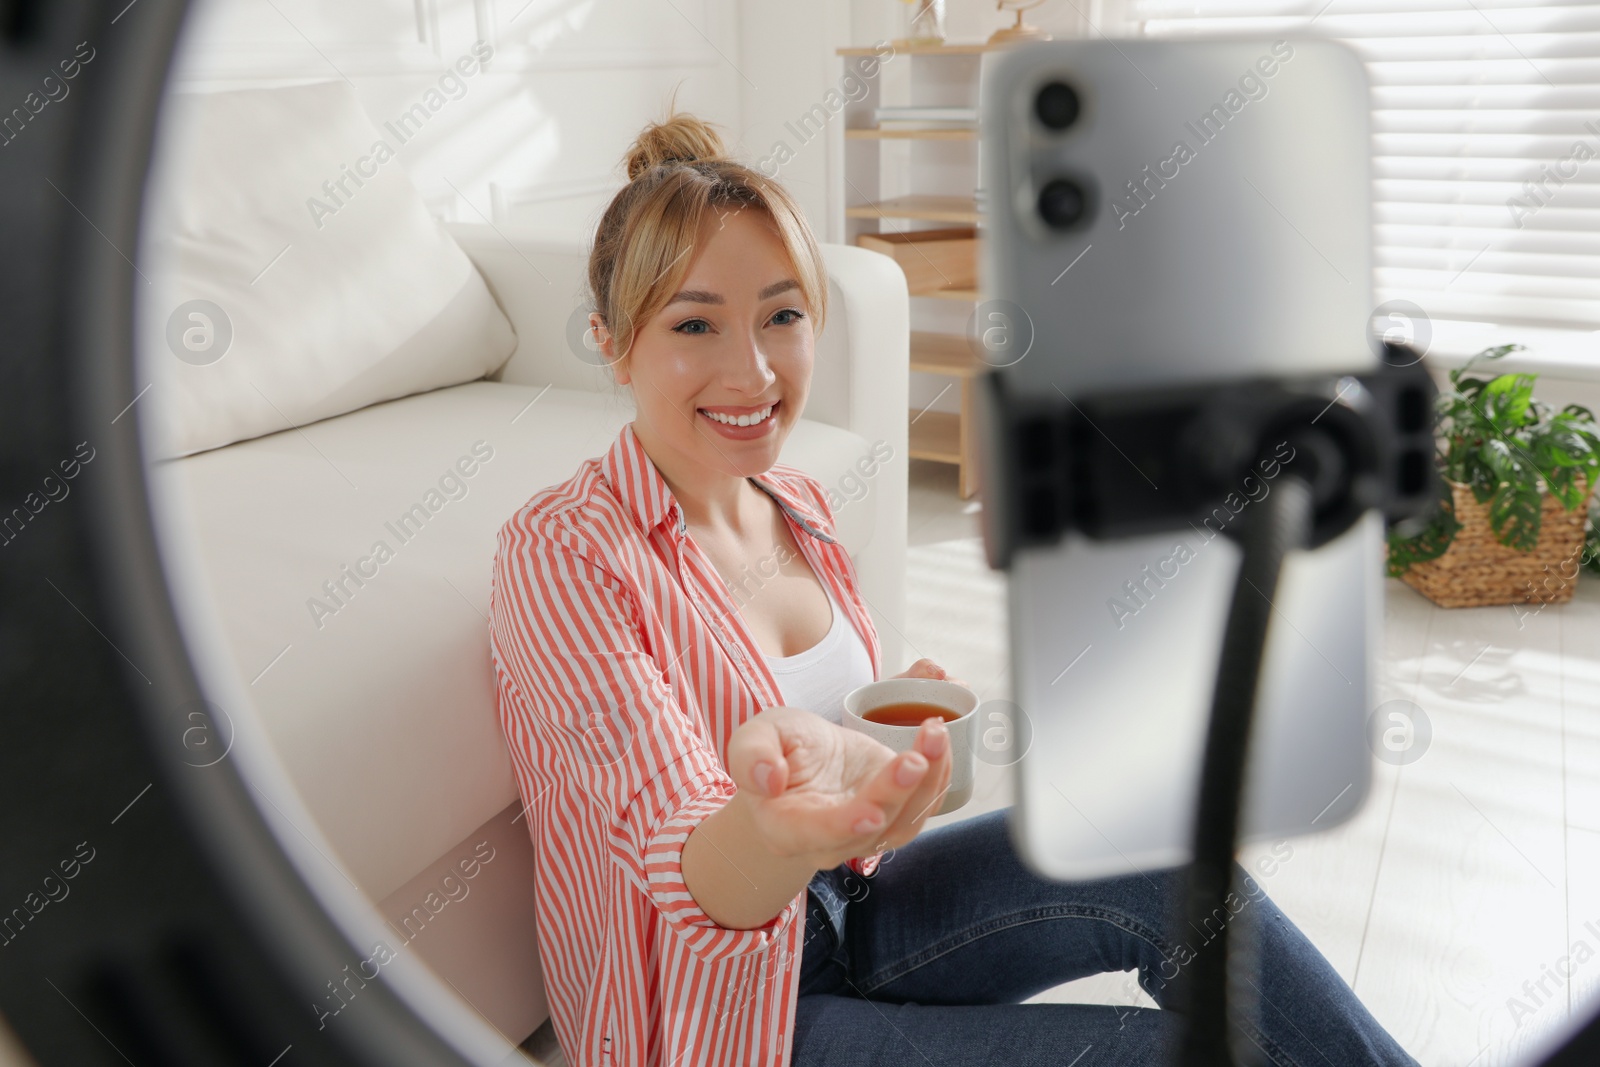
(927,962)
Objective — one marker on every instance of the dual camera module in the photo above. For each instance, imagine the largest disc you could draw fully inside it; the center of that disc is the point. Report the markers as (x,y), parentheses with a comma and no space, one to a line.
(1064,202)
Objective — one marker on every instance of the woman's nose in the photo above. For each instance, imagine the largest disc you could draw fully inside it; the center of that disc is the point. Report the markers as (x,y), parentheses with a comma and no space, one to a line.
(749,370)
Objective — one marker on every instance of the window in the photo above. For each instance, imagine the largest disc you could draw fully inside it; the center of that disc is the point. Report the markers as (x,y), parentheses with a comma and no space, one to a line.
(1486,145)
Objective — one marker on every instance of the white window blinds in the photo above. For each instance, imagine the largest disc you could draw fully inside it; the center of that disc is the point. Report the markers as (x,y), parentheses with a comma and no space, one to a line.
(1486,143)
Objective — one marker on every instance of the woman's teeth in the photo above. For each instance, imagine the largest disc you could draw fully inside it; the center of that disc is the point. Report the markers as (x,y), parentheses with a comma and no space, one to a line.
(739,420)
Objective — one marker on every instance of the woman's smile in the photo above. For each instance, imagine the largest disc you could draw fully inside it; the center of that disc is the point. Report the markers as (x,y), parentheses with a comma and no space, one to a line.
(741,423)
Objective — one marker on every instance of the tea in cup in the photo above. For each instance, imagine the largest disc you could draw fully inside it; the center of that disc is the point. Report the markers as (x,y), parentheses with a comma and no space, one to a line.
(891,710)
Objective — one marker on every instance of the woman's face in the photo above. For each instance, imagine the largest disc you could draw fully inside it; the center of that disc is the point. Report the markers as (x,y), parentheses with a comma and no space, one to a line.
(733,343)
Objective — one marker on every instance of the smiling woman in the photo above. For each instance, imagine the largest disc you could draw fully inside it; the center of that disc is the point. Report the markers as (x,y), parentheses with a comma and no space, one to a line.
(652,744)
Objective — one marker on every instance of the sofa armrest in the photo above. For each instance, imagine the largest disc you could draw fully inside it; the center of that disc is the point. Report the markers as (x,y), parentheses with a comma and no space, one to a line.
(860,383)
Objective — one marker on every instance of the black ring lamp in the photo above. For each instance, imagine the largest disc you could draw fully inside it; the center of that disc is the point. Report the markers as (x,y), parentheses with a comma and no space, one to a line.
(148,913)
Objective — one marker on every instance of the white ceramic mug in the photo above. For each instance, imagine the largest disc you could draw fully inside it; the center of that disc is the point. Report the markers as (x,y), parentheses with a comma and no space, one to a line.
(948,695)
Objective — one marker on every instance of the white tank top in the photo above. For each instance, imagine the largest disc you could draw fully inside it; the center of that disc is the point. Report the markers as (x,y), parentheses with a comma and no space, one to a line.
(819,678)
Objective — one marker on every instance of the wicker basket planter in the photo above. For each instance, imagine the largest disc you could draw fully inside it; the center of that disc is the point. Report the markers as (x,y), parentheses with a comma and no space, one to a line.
(1477,571)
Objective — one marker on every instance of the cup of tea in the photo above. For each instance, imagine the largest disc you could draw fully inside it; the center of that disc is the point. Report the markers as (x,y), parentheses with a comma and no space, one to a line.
(891,710)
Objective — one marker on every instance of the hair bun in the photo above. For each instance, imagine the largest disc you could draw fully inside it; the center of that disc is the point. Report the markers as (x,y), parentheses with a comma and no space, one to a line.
(681,138)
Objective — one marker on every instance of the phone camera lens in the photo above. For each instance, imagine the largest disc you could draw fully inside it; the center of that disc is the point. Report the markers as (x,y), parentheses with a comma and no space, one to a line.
(1062,203)
(1056,106)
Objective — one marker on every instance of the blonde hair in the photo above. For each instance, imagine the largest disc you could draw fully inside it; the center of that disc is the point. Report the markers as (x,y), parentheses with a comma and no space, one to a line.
(679,173)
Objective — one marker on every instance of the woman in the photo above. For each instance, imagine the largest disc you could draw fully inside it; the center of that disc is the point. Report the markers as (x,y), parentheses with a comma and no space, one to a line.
(709,839)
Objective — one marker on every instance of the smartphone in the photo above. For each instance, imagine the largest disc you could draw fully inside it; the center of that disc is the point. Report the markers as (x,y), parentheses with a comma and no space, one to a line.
(1165,214)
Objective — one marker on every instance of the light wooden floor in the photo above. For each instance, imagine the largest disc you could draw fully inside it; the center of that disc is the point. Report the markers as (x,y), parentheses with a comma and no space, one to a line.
(1470,876)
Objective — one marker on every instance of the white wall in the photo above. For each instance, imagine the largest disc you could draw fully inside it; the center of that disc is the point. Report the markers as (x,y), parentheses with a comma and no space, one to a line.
(536,140)
(790,62)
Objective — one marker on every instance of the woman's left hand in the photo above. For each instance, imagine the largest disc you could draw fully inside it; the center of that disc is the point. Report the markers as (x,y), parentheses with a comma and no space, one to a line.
(926,668)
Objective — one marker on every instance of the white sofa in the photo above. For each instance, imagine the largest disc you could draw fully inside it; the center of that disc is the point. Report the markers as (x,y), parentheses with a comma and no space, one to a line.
(383,710)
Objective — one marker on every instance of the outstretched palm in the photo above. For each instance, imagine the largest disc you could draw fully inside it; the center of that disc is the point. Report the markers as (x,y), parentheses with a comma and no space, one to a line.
(831,792)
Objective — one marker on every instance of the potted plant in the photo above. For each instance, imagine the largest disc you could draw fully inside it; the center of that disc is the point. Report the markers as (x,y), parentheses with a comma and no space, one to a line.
(1516,478)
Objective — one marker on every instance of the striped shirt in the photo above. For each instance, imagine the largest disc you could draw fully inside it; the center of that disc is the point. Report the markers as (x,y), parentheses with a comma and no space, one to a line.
(622,667)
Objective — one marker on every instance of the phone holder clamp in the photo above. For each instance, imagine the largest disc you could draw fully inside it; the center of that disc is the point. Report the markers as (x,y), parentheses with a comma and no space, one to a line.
(1127,463)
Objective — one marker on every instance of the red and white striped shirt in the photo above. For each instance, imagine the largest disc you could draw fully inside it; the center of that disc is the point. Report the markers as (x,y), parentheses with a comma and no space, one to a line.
(622,667)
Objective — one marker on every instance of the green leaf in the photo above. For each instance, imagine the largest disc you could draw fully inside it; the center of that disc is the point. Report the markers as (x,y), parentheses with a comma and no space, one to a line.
(1472,387)
(1498,352)
(1514,503)
(1515,515)
(1480,476)
(1563,449)
(1565,441)
(1563,484)
(1506,400)
(1431,542)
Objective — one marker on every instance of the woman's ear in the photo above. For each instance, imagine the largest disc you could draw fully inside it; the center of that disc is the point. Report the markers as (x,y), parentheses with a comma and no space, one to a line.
(606,348)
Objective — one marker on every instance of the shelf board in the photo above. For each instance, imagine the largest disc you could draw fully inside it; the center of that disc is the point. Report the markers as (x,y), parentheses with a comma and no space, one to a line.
(902,47)
(876,134)
(935,435)
(944,353)
(919,206)
(950,294)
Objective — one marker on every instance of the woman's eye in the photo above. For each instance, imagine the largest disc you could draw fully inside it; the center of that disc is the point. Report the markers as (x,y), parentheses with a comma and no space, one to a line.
(699,326)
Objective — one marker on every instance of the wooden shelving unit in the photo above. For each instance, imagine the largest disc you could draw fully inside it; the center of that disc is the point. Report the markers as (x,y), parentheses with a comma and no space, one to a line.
(926,208)
(969,295)
(944,353)
(892,134)
(941,435)
(937,435)
(872,198)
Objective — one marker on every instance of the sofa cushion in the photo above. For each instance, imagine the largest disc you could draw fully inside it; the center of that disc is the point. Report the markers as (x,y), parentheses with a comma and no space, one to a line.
(296,272)
(370,666)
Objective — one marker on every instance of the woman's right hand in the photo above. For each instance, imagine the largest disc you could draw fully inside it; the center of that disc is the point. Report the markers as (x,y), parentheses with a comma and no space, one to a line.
(829,794)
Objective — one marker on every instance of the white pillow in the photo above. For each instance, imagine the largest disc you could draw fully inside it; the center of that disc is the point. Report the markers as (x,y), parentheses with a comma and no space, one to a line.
(294,272)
